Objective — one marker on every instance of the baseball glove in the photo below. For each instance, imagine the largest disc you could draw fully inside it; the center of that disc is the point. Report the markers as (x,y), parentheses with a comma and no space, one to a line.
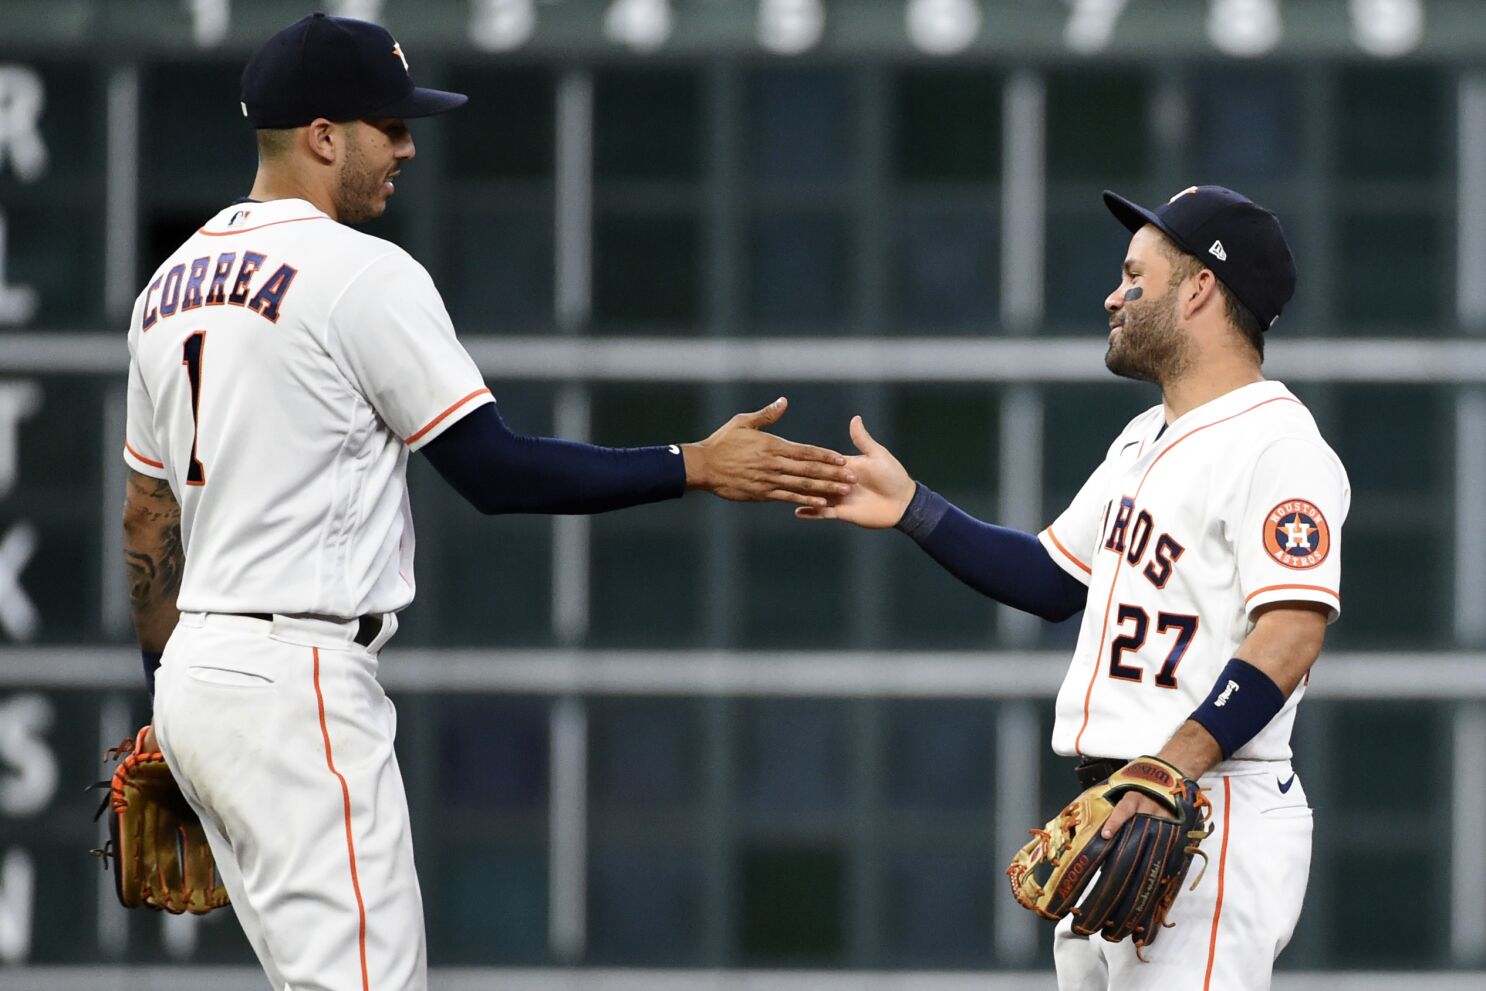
(1124,886)
(156,846)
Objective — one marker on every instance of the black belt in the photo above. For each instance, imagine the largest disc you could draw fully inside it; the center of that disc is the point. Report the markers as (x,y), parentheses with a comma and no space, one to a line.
(1096,770)
(367,627)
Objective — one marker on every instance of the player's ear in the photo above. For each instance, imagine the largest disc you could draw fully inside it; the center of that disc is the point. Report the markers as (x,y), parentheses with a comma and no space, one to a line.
(325,140)
(1203,289)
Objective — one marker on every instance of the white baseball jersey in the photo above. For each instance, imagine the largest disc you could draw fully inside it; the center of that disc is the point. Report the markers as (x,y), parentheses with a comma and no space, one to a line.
(1180,534)
(282,367)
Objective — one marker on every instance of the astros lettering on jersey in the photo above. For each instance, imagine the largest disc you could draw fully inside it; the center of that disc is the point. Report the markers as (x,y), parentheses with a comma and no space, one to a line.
(312,463)
(1181,533)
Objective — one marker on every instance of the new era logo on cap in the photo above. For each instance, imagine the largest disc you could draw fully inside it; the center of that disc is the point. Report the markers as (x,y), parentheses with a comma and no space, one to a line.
(1245,246)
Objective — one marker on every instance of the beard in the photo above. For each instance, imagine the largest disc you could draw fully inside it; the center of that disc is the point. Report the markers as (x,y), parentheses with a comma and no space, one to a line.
(1150,347)
(358,191)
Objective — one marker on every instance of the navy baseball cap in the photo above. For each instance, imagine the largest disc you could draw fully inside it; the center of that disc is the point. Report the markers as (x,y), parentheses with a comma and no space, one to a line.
(337,68)
(1229,233)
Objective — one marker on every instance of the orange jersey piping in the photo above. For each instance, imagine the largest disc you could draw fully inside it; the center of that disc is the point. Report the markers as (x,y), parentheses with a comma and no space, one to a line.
(1066,552)
(293,220)
(1307,588)
(141,457)
(440,418)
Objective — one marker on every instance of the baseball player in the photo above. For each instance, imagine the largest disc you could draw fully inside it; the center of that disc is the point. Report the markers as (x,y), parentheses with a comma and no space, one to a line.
(1205,555)
(283,368)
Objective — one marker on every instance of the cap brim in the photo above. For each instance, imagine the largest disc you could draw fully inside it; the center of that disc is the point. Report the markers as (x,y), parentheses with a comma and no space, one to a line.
(1134,216)
(422,103)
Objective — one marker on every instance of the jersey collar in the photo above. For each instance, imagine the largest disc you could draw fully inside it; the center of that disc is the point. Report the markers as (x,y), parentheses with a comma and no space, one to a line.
(1228,404)
(246,213)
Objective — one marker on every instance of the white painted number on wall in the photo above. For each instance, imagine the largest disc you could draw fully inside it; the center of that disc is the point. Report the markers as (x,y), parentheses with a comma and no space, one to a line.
(209,21)
(1387,28)
(502,25)
(1091,24)
(362,10)
(643,25)
(789,27)
(1245,28)
(943,27)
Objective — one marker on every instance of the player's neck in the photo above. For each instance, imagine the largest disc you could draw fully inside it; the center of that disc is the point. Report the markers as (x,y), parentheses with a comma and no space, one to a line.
(277,184)
(1207,382)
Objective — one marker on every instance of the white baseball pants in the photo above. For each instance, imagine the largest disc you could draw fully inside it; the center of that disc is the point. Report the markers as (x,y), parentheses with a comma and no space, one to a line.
(281,738)
(1230,929)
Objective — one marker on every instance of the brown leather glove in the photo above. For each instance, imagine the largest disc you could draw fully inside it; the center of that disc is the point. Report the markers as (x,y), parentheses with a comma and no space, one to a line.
(1124,886)
(159,853)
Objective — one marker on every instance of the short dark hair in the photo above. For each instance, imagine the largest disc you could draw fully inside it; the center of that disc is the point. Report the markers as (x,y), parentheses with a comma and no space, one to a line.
(274,141)
(1243,318)
(1239,316)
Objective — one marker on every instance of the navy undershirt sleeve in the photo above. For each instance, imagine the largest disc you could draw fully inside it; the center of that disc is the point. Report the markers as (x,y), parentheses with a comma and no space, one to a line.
(498,471)
(1007,565)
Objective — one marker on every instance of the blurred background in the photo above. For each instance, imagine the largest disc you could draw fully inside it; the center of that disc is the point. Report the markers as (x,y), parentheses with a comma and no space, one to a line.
(702,745)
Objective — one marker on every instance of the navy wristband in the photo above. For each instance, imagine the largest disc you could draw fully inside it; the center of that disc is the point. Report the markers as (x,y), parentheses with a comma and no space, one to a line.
(1242,702)
(151,660)
(923,513)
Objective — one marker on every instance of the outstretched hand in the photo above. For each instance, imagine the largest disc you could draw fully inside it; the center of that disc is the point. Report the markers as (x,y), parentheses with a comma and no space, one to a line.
(741,462)
(882,492)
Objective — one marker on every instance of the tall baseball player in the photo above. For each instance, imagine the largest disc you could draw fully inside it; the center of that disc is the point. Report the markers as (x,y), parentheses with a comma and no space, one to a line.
(1205,555)
(283,368)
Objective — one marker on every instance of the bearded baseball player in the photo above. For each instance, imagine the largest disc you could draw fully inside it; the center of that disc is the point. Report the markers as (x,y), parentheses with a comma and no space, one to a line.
(1205,555)
(283,368)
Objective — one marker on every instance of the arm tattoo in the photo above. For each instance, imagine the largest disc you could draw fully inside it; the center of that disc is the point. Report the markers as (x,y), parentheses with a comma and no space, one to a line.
(156,578)
(141,569)
(172,561)
(154,557)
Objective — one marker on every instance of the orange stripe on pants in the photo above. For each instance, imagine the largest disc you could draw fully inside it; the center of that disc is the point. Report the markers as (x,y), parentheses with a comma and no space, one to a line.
(350,843)
(1212,945)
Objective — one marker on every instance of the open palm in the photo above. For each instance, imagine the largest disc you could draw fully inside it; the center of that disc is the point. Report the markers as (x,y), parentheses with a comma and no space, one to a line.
(883,487)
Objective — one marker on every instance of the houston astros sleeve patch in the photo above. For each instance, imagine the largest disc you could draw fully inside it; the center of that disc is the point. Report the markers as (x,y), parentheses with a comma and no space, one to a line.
(1296,535)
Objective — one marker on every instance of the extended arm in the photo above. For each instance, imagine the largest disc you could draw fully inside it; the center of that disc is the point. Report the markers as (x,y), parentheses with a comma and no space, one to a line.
(499,471)
(154,560)
(1007,565)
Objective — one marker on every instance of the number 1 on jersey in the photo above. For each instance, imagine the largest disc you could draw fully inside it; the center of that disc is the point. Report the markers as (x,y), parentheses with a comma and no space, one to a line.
(191,358)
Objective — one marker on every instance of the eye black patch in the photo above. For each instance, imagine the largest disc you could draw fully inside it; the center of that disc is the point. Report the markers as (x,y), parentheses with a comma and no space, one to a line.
(1133,293)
